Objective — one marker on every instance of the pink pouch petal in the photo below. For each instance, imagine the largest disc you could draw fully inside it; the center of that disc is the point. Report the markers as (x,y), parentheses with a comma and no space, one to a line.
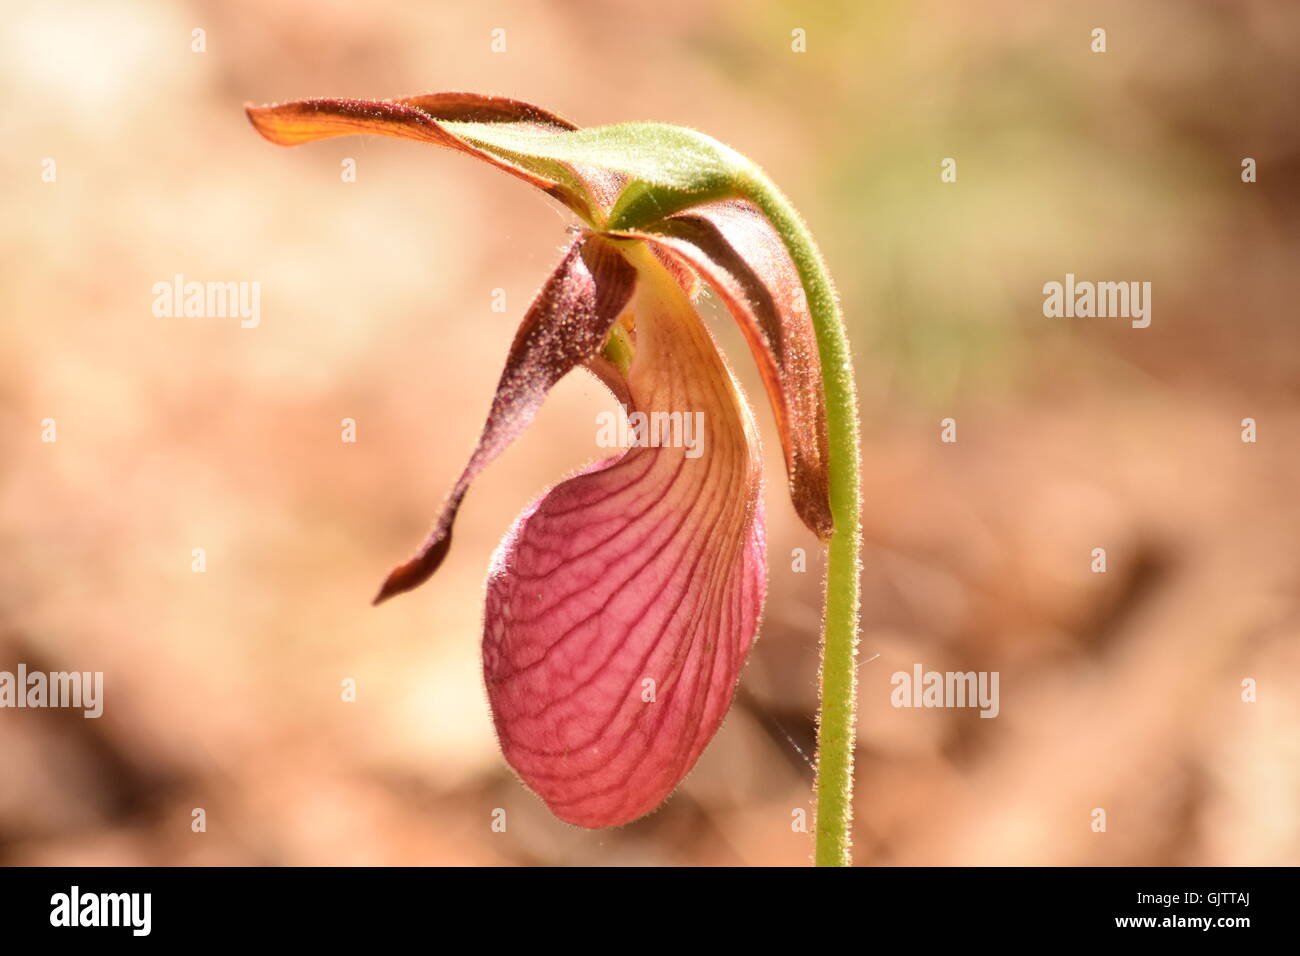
(621,606)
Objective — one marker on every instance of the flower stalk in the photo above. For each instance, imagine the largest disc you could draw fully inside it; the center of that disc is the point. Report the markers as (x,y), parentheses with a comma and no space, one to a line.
(837,715)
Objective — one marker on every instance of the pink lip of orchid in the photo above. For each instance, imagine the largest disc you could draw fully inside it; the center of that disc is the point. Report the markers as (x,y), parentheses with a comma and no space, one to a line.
(622,604)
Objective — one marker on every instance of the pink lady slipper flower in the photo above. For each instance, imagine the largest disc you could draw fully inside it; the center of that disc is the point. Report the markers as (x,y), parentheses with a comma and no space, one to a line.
(622,604)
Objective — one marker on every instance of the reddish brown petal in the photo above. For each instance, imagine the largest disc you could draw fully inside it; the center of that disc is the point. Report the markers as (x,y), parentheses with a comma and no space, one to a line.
(586,190)
(565,327)
(477,108)
(740,255)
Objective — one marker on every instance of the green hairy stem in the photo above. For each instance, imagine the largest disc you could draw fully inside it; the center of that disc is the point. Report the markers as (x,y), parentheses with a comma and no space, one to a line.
(837,718)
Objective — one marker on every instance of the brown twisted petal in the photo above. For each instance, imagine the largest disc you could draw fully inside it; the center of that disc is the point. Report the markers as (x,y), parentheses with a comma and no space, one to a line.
(566,326)
(586,190)
(741,256)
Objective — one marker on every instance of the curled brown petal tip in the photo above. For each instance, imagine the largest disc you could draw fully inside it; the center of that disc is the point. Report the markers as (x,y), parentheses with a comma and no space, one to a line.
(411,574)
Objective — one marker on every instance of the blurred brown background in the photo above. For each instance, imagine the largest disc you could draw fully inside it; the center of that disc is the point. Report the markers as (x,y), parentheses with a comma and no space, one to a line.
(1119,690)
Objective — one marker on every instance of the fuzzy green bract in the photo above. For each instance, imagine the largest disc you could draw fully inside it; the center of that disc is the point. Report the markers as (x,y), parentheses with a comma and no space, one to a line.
(669,168)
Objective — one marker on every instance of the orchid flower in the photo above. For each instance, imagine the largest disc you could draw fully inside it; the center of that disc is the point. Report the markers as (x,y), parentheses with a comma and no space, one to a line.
(622,604)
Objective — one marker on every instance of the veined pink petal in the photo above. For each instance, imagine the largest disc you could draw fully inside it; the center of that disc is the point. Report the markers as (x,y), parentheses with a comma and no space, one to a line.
(621,606)
(566,326)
